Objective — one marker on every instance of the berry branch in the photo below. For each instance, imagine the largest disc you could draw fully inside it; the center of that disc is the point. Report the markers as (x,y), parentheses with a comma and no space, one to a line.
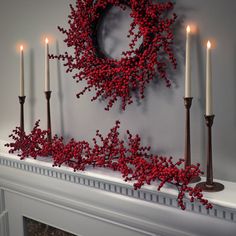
(130,158)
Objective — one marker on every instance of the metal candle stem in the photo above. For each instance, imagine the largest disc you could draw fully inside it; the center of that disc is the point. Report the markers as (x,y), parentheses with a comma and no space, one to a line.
(22,101)
(210,185)
(187,156)
(48,96)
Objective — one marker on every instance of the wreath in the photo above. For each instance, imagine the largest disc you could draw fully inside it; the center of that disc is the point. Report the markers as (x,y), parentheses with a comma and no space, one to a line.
(117,79)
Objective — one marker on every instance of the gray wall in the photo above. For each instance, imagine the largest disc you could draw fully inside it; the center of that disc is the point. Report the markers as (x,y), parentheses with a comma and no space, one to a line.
(160,117)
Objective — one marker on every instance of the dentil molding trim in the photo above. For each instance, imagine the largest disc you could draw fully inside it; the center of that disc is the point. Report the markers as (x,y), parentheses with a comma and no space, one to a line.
(117,187)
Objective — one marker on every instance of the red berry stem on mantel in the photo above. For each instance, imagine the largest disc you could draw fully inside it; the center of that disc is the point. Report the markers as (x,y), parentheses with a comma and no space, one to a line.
(112,79)
(130,158)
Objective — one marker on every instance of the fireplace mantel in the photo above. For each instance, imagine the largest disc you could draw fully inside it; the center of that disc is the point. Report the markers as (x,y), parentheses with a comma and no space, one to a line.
(98,202)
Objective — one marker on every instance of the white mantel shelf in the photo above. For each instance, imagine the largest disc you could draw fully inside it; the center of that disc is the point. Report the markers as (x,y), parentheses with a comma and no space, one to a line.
(102,195)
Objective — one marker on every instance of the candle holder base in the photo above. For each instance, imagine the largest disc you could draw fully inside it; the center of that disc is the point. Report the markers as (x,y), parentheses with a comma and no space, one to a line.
(195,180)
(215,187)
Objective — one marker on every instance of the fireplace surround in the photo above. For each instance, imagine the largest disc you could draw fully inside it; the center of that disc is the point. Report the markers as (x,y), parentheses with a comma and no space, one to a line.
(97,202)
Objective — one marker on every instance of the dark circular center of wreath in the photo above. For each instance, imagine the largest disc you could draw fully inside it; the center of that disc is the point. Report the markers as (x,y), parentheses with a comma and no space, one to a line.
(112,28)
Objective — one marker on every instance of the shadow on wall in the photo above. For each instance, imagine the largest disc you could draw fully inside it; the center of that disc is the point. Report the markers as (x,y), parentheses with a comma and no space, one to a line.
(112,22)
(109,23)
(234,109)
(112,36)
(60,92)
(32,89)
(198,52)
(173,75)
(201,86)
(179,52)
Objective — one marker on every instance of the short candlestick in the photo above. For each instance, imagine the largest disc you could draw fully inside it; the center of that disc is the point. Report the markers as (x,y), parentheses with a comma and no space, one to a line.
(22,101)
(48,96)
(187,156)
(210,185)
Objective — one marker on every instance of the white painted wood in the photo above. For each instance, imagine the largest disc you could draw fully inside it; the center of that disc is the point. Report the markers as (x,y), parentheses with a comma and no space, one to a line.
(4,228)
(98,202)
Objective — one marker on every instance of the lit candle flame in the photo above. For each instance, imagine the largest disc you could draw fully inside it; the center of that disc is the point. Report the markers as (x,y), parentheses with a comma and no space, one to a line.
(188,29)
(209,44)
(46,41)
(21,48)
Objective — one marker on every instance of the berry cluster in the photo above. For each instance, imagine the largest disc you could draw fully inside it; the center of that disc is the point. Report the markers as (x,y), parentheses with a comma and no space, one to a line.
(117,79)
(130,158)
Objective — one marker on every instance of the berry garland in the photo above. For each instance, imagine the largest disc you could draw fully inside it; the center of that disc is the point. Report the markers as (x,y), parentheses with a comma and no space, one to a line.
(130,158)
(117,79)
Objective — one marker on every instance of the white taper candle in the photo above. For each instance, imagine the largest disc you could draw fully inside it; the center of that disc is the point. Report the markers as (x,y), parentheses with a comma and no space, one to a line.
(22,85)
(47,69)
(187,64)
(209,109)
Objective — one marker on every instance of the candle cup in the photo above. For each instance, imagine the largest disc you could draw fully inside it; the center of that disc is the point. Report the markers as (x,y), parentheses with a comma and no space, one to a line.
(209,185)
(48,96)
(187,156)
(22,101)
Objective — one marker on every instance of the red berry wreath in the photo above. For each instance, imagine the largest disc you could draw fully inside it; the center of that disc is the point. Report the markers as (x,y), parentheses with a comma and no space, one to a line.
(113,79)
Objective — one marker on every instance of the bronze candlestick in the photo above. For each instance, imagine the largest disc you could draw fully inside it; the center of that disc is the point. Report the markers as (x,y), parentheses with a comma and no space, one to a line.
(210,185)
(48,96)
(22,101)
(187,156)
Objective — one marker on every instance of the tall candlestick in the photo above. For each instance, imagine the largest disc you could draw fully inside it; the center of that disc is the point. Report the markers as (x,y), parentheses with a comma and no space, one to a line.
(187,64)
(22,89)
(209,185)
(209,110)
(47,69)
(48,96)
(187,154)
